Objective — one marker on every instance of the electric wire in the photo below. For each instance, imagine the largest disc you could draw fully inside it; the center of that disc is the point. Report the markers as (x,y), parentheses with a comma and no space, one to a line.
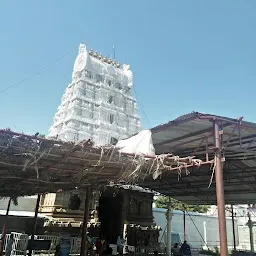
(195,227)
(197,230)
(142,108)
(40,71)
(163,234)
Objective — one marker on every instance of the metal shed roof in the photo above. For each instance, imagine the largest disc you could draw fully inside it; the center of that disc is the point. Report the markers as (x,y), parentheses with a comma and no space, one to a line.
(192,135)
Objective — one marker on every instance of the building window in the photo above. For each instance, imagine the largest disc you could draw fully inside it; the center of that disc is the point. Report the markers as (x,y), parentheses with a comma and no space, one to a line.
(76,137)
(118,86)
(88,74)
(127,90)
(89,86)
(84,124)
(98,78)
(110,99)
(111,118)
(113,141)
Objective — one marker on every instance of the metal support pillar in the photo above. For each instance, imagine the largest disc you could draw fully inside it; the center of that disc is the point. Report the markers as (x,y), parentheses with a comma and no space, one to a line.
(184,225)
(83,249)
(250,225)
(205,247)
(220,190)
(34,223)
(4,227)
(169,230)
(233,226)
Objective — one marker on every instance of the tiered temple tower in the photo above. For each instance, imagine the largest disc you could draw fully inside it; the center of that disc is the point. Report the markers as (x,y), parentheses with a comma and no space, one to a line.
(98,103)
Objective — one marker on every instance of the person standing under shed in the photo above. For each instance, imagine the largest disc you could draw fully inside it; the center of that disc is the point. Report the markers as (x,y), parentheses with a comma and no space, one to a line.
(8,251)
(176,250)
(185,249)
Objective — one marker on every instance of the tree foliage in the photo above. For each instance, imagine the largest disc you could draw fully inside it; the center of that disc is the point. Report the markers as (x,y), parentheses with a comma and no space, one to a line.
(163,201)
(15,200)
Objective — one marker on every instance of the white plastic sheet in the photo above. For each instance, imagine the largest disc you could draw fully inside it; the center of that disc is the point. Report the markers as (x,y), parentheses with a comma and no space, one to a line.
(141,143)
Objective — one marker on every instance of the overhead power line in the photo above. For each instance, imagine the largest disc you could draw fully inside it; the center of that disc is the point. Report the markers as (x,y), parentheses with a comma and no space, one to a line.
(142,108)
(36,73)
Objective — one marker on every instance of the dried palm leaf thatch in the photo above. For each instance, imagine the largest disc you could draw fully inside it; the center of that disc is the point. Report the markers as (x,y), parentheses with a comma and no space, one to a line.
(31,165)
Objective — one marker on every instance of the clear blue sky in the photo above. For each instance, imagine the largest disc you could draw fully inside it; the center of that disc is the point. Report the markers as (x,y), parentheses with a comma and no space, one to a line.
(186,55)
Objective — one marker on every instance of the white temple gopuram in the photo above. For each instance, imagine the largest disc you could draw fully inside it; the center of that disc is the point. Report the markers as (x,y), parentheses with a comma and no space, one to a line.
(98,104)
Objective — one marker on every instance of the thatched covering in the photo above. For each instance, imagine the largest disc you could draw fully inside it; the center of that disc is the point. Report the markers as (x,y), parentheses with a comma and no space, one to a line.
(31,165)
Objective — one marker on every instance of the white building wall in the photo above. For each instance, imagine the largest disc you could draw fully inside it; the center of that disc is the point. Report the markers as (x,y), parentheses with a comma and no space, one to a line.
(24,204)
(240,212)
(195,234)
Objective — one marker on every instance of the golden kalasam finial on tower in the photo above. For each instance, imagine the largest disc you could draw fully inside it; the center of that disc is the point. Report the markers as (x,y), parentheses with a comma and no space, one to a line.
(100,56)
(109,61)
(90,52)
(105,59)
(95,54)
(114,63)
(118,65)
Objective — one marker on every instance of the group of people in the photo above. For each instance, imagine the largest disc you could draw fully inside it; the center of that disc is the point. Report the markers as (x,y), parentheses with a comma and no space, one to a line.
(97,247)
(183,250)
(100,248)
(93,247)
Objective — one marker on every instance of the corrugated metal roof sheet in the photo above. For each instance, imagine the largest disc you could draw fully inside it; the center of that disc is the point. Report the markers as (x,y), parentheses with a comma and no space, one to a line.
(189,135)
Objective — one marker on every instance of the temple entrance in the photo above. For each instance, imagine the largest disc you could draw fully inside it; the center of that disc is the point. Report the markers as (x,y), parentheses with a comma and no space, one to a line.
(110,216)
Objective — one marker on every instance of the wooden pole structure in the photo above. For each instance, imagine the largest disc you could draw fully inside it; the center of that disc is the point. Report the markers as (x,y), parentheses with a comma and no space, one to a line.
(83,249)
(220,188)
(4,227)
(34,223)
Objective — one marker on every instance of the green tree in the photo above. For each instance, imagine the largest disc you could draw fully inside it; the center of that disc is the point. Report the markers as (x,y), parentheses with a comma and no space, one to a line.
(163,201)
(15,200)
